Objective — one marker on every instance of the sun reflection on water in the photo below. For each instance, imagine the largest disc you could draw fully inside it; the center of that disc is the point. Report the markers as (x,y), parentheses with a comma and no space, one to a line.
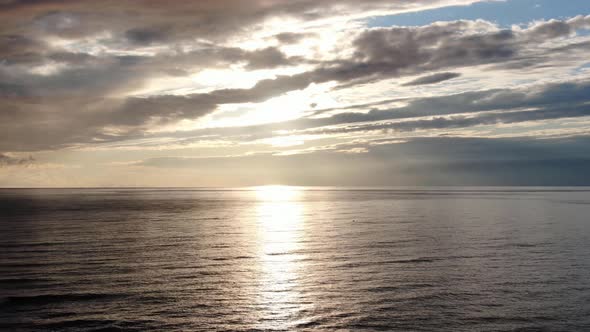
(281,227)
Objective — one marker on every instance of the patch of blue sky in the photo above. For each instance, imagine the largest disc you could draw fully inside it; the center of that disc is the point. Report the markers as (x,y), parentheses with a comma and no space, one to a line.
(581,69)
(503,13)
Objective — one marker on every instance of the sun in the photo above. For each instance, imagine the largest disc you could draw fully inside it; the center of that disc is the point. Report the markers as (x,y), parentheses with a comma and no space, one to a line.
(277,193)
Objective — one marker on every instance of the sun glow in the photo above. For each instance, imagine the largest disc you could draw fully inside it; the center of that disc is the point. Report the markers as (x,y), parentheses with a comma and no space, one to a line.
(277,193)
(281,230)
(285,107)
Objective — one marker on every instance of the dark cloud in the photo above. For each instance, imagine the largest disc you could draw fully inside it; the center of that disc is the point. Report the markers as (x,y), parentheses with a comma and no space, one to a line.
(433,79)
(437,46)
(291,37)
(146,36)
(6,160)
(72,59)
(382,53)
(268,58)
(552,29)
(8,90)
(83,71)
(17,49)
(164,109)
(214,20)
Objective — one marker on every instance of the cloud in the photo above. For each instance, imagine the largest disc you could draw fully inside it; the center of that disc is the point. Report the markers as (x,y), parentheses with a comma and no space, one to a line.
(464,121)
(269,57)
(213,20)
(399,51)
(552,101)
(291,37)
(7,160)
(70,72)
(394,52)
(462,110)
(16,49)
(145,36)
(433,79)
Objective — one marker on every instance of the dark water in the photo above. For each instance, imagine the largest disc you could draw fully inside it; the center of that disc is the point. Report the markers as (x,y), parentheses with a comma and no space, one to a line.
(284,259)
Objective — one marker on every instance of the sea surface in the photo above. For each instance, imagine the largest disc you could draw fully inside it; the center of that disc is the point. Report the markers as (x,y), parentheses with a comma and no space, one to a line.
(295,259)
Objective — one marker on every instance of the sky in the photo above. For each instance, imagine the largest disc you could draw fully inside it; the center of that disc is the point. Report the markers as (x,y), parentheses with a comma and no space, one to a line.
(230,93)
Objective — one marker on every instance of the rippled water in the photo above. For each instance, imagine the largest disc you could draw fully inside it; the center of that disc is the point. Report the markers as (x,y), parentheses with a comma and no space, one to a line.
(295,259)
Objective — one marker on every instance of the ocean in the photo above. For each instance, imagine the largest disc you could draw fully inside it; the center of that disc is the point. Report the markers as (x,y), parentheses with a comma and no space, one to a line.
(295,259)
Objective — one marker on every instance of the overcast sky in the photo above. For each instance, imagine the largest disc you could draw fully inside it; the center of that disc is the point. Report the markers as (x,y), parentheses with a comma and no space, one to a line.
(298,92)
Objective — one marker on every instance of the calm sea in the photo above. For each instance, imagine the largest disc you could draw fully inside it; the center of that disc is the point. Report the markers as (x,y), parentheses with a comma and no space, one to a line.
(295,259)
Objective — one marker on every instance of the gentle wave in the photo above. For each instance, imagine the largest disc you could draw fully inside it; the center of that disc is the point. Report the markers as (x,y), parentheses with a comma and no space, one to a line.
(463,259)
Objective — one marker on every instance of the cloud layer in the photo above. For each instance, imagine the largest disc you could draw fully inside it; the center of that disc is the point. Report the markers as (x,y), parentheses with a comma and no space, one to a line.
(251,78)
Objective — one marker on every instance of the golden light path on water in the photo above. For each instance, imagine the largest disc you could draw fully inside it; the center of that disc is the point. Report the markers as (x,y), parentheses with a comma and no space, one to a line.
(281,230)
